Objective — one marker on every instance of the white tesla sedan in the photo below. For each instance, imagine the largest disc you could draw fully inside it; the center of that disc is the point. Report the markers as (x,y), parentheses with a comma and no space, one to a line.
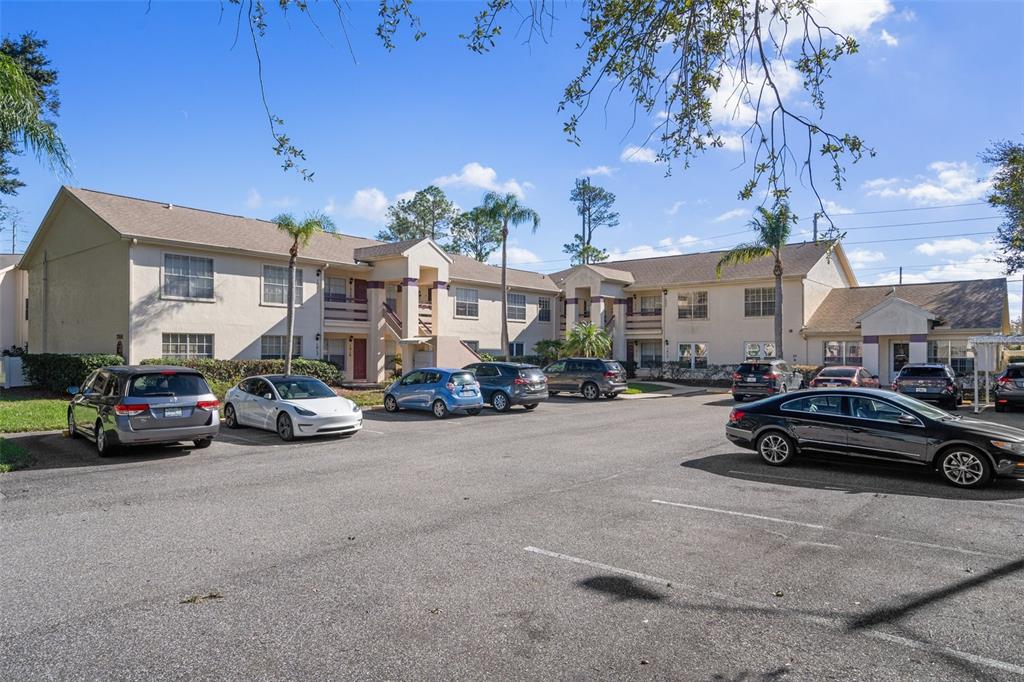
(293,406)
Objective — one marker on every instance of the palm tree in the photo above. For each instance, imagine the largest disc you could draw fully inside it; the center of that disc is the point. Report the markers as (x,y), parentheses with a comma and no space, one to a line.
(588,340)
(772,229)
(506,210)
(21,117)
(301,233)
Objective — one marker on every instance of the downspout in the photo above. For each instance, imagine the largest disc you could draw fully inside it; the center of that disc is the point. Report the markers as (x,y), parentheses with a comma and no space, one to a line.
(46,298)
(128,331)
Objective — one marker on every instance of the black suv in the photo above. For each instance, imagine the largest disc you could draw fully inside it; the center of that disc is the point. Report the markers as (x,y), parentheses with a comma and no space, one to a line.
(764,378)
(1010,387)
(592,377)
(504,384)
(930,381)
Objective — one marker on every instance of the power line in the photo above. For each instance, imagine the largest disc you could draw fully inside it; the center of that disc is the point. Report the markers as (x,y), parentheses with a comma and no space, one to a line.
(934,236)
(902,210)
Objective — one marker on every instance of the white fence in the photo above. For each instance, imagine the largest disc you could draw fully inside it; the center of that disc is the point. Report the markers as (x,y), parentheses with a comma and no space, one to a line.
(11,375)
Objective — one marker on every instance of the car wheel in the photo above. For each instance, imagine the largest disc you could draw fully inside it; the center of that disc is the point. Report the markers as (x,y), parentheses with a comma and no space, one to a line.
(738,398)
(72,431)
(531,406)
(230,417)
(965,467)
(284,427)
(591,391)
(473,412)
(775,448)
(390,404)
(439,409)
(202,443)
(104,448)
(500,402)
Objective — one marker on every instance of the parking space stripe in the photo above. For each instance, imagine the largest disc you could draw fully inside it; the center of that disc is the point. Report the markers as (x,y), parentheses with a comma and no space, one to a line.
(888,538)
(830,622)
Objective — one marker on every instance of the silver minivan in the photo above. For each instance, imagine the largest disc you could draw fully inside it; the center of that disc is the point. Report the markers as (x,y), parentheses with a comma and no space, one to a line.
(143,405)
(593,377)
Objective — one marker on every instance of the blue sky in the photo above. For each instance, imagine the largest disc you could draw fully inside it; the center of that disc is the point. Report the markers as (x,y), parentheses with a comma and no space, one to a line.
(161,105)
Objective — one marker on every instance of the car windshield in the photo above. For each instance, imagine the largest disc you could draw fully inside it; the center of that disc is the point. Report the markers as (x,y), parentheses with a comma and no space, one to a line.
(922,408)
(753,368)
(462,378)
(301,388)
(167,384)
(924,372)
(845,372)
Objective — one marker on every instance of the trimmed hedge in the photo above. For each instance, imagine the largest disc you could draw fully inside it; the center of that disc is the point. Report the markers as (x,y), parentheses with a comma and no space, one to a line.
(233,371)
(58,371)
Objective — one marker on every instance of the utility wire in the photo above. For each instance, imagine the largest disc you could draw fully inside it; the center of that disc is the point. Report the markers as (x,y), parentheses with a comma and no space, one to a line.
(902,210)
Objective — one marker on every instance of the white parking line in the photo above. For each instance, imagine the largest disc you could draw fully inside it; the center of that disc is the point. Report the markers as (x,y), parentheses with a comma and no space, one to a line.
(834,623)
(902,541)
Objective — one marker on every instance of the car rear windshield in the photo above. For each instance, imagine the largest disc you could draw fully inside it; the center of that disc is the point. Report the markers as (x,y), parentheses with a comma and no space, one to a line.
(462,378)
(612,367)
(754,368)
(167,384)
(927,372)
(305,388)
(1015,372)
(532,373)
(845,372)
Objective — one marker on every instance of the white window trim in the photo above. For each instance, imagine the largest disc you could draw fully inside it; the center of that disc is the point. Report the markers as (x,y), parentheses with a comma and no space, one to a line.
(455,304)
(540,309)
(194,299)
(300,289)
(525,306)
(693,293)
(693,352)
(762,315)
(213,345)
(296,341)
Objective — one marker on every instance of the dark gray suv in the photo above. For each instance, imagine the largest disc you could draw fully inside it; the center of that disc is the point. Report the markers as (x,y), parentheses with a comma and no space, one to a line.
(143,405)
(1010,387)
(760,378)
(592,377)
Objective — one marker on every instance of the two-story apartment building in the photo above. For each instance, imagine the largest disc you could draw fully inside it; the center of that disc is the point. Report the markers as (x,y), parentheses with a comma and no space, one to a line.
(148,279)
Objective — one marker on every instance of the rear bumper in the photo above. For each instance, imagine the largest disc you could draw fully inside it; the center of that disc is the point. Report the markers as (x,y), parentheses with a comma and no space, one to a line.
(526,398)
(929,395)
(741,437)
(125,435)
(463,404)
(614,389)
(753,389)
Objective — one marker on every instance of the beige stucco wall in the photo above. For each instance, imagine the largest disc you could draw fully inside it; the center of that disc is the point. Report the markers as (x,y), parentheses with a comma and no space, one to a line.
(825,276)
(237,317)
(84,303)
(13,291)
(486,329)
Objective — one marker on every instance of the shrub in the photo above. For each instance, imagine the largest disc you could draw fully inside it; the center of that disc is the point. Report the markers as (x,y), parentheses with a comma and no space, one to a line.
(58,371)
(549,350)
(232,371)
(630,367)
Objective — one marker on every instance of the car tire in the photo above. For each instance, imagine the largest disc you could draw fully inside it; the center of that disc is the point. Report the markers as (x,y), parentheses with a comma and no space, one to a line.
(285,427)
(775,448)
(611,396)
(531,406)
(202,443)
(999,408)
(590,391)
(439,409)
(230,416)
(500,402)
(390,403)
(72,429)
(738,398)
(104,448)
(965,467)
(473,412)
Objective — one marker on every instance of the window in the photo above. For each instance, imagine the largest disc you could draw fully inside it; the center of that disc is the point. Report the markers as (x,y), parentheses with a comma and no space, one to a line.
(843,353)
(758,349)
(188,277)
(515,350)
(693,355)
(877,410)
(485,371)
(822,404)
(275,285)
(759,302)
(693,305)
(650,305)
(557,366)
(187,346)
(475,345)
(336,290)
(952,353)
(466,303)
(272,346)
(167,385)
(517,307)
(544,309)
(650,353)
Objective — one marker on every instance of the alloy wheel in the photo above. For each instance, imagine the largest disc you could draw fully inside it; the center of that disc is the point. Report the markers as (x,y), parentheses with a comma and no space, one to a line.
(590,392)
(440,409)
(284,427)
(499,402)
(963,468)
(230,418)
(72,431)
(774,449)
(390,404)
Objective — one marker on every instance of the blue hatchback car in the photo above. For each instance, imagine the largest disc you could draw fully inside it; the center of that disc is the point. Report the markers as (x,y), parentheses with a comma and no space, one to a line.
(441,391)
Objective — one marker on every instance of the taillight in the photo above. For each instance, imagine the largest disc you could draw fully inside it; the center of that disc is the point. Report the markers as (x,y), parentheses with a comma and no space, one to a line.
(450,386)
(131,410)
(736,415)
(520,381)
(896,385)
(207,404)
(610,373)
(1003,381)
(736,376)
(771,375)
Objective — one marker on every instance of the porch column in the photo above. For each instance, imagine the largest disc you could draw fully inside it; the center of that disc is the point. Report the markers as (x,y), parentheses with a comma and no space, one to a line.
(410,309)
(869,349)
(556,318)
(375,331)
(570,315)
(619,328)
(408,356)
(442,312)
(597,310)
(918,348)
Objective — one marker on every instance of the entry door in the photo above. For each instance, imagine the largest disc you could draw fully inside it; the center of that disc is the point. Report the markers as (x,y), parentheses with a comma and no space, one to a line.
(900,355)
(359,294)
(359,358)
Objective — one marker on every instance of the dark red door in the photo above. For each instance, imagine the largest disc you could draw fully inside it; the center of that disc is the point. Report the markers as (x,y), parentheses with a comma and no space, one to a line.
(360,296)
(359,357)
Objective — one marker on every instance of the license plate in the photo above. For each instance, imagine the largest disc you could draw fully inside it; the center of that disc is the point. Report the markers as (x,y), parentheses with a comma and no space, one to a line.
(751,380)
(172,412)
(832,385)
(921,390)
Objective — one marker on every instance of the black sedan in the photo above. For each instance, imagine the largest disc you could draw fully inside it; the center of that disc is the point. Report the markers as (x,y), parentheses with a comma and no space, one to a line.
(878,424)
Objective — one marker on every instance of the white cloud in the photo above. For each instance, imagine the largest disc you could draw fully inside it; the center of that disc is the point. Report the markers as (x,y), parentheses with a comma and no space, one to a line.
(476,175)
(833,208)
(731,143)
(731,215)
(330,207)
(598,170)
(284,202)
(672,210)
(253,199)
(978,266)
(642,251)
(850,17)
(950,182)
(369,204)
(959,246)
(405,196)
(889,39)
(517,256)
(661,115)
(634,154)
(859,257)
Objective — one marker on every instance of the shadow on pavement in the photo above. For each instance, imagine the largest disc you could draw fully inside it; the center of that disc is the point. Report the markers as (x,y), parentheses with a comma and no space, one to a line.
(622,589)
(853,477)
(54,451)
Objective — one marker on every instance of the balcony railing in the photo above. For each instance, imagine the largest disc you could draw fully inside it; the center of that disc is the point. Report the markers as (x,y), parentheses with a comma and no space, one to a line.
(644,321)
(350,311)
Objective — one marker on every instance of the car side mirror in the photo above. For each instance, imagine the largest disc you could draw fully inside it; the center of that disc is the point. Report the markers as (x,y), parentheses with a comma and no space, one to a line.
(73,390)
(907,420)
(268,396)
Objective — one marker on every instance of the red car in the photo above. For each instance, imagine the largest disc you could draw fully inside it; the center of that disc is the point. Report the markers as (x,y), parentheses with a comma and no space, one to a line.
(844,377)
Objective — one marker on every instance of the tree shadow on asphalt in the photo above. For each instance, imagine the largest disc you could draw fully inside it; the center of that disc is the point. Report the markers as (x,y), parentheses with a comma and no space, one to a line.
(620,588)
(54,451)
(824,472)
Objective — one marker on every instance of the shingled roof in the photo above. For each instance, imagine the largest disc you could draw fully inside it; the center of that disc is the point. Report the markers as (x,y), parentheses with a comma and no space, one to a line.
(969,304)
(472,270)
(384,249)
(693,268)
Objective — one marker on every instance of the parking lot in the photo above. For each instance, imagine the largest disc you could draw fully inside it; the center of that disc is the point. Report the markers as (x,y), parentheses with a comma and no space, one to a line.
(582,540)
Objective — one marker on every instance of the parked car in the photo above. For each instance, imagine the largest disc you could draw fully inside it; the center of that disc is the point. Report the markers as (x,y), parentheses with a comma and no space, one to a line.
(143,405)
(442,391)
(504,384)
(764,377)
(838,376)
(292,406)
(1010,387)
(592,377)
(934,382)
(878,424)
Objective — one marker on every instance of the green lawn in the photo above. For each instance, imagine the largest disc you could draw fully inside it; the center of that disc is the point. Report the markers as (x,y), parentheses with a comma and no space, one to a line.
(363,398)
(636,387)
(27,412)
(12,456)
